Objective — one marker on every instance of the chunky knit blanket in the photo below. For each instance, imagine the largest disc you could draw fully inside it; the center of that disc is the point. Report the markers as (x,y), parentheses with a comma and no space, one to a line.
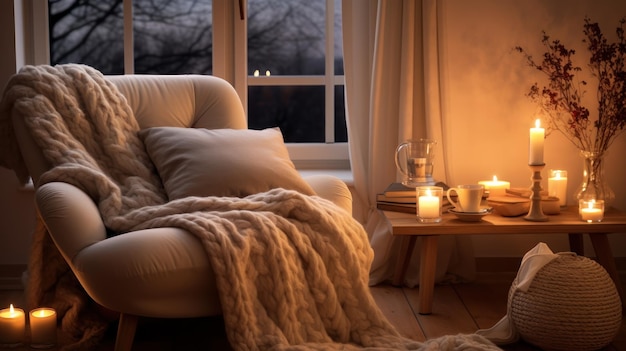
(291,270)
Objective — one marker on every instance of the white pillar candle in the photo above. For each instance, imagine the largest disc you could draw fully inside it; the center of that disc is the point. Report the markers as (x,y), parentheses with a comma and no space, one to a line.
(537,136)
(591,211)
(12,326)
(43,327)
(557,185)
(495,187)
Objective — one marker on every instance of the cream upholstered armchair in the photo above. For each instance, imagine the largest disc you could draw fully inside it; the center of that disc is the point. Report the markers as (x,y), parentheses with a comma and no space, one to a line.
(157,272)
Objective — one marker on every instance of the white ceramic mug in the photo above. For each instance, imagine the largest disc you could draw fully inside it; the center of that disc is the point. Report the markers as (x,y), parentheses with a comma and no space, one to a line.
(469,196)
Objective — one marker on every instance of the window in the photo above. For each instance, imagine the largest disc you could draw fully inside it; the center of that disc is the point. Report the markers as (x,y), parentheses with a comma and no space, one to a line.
(294,47)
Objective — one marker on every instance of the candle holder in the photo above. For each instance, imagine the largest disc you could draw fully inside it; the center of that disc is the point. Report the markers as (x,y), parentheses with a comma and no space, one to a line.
(535,213)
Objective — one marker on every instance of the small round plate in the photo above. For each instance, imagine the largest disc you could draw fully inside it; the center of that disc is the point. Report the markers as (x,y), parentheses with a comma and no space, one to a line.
(471,216)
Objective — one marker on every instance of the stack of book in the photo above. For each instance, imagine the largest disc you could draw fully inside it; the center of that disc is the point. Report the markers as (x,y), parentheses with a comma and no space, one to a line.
(397,198)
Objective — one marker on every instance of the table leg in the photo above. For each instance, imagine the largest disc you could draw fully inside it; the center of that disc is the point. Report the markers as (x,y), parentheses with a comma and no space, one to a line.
(404,257)
(604,255)
(428,265)
(576,244)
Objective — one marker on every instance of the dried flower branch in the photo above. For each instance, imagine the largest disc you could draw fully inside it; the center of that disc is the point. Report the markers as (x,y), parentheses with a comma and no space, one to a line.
(561,99)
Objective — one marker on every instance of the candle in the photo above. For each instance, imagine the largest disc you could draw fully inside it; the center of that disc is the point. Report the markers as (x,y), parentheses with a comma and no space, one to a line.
(495,187)
(12,326)
(591,211)
(557,186)
(429,204)
(537,136)
(43,327)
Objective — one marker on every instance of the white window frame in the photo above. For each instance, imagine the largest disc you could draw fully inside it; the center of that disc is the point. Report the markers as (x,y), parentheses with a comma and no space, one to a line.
(230,63)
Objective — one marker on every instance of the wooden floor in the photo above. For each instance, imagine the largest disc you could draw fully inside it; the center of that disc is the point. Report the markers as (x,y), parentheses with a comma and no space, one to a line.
(458,308)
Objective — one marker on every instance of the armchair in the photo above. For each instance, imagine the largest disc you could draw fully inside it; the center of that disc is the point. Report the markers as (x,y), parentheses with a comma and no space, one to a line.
(159,272)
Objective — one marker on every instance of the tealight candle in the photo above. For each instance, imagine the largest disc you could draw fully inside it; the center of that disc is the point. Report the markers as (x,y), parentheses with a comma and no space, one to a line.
(495,187)
(591,211)
(557,185)
(43,327)
(429,203)
(12,326)
(537,136)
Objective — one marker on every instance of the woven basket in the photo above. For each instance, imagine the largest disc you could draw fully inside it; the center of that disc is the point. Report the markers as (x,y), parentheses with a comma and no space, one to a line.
(572,304)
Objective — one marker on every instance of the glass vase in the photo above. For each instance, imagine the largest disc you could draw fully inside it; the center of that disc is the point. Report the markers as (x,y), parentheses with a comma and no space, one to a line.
(594,186)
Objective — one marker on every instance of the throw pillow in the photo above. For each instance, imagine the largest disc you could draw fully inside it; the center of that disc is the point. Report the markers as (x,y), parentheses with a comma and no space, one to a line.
(221,162)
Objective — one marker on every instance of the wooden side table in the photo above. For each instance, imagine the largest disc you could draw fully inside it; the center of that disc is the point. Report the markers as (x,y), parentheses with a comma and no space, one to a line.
(567,222)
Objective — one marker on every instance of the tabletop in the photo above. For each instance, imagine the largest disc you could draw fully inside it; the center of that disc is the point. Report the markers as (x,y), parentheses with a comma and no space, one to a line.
(568,221)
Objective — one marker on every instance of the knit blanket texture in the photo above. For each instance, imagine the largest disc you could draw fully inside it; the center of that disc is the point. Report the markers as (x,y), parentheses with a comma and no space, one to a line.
(292,270)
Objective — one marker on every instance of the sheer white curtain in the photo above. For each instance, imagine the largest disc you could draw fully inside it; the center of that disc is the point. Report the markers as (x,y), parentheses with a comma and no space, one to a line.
(392,94)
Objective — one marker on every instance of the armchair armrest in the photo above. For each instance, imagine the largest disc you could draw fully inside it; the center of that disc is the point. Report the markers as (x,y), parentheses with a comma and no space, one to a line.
(331,188)
(72,218)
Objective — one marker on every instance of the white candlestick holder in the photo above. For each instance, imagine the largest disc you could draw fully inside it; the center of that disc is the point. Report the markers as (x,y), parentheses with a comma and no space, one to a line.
(535,213)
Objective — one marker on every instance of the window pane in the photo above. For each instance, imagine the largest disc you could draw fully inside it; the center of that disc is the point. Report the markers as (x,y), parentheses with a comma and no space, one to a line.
(341,130)
(170,37)
(286,37)
(173,37)
(88,32)
(297,110)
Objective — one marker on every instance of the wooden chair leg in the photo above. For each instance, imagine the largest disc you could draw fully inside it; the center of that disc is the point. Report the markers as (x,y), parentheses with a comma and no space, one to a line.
(126,332)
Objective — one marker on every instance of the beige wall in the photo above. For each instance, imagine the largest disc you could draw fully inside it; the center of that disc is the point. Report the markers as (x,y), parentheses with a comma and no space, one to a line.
(487,115)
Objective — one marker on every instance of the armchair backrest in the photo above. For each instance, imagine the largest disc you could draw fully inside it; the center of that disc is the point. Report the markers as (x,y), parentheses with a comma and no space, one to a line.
(192,101)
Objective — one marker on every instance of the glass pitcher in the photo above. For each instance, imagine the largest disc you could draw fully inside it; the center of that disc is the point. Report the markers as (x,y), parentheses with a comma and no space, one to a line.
(414,159)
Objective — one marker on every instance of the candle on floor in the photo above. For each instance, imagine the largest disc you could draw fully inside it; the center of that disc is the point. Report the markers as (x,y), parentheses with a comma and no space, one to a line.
(429,203)
(12,326)
(557,185)
(537,136)
(591,211)
(495,187)
(43,327)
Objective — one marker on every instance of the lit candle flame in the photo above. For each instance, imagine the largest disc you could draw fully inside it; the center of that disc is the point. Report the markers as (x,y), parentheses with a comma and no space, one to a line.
(428,192)
(495,179)
(11,309)
(267,73)
(256,73)
(537,123)
(42,313)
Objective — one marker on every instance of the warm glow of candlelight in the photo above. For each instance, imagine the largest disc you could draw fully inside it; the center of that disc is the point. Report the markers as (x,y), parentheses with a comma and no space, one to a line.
(495,187)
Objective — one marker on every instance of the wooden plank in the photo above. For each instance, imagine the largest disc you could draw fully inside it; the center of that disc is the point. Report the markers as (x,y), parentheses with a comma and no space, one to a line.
(449,316)
(485,299)
(395,307)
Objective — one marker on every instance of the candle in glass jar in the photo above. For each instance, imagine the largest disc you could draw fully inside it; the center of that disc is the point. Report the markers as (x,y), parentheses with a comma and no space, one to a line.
(43,327)
(12,326)
(495,187)
(537,136)
(557,186)
(429,204)
(591,211)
